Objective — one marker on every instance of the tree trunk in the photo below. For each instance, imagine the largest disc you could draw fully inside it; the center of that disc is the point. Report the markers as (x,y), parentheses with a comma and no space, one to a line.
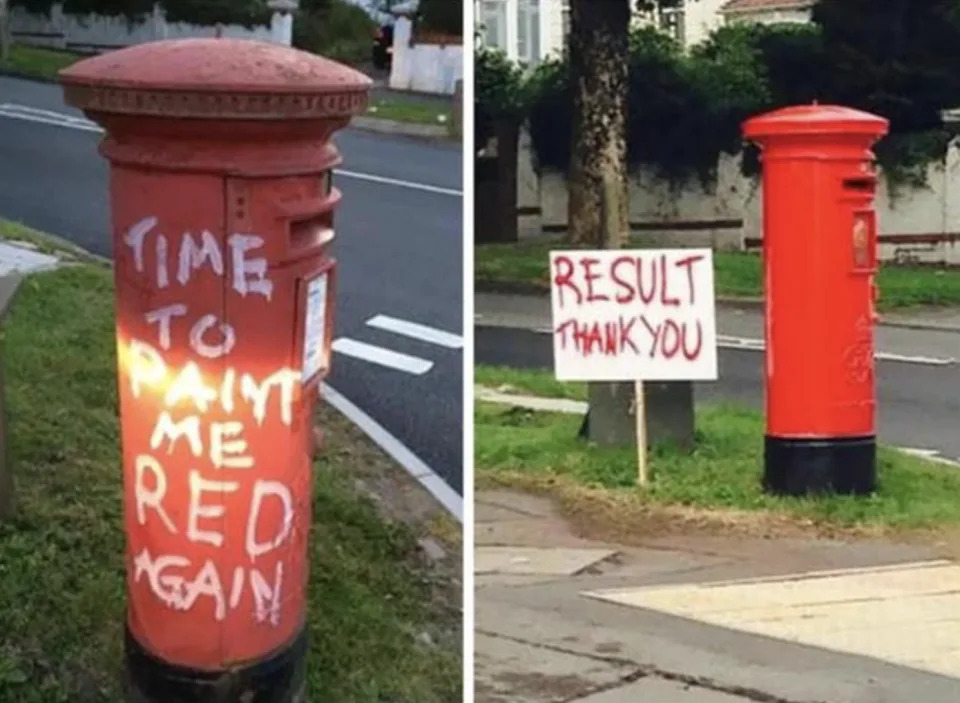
(597,182)
(597,205)
(495,187)
(4,31)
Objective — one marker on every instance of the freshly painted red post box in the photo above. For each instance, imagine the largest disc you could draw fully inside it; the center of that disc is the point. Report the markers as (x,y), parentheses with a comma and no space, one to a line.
(820,259)
(222,203)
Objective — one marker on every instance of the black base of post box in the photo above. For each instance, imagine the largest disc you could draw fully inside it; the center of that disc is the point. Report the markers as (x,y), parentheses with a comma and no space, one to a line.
(280,679)
(797,467)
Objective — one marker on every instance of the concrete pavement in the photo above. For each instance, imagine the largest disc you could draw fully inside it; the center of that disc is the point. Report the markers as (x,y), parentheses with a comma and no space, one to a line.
(678,618)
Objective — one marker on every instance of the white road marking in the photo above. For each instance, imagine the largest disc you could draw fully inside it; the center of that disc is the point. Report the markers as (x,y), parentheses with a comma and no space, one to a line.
(750,344)
(59,119)
(417,331)
(398,182)
(72,123)
(59,116)
(930,455)
(383,357)
(413,465)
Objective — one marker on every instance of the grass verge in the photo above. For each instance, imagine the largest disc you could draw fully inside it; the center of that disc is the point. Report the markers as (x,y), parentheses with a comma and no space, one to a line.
(415,111)
(37,62)
(384,625)
(524,449)
(737,274)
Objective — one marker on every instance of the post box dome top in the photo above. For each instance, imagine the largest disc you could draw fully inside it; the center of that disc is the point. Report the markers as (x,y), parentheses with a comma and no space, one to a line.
(215,78)
(815,120)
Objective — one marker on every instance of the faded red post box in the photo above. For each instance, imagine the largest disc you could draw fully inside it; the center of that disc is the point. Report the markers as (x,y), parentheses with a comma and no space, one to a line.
(222,207)
(820,259)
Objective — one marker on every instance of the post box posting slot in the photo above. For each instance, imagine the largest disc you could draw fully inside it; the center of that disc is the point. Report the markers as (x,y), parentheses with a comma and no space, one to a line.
(862,183)
(314,319)
(310,220)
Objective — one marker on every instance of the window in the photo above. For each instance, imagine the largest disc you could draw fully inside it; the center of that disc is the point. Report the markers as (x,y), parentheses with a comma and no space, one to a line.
(528,31)
(493,23)
(671,22)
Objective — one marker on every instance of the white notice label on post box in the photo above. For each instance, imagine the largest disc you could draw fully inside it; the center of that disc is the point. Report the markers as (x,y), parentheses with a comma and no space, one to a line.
(642,315)
(315,329)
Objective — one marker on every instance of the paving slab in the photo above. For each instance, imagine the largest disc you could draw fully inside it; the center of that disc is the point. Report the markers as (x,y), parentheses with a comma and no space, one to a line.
(530,560)
(19,259)
(761,668)
(907,614)
(516,672)
(522,503)
(652,689)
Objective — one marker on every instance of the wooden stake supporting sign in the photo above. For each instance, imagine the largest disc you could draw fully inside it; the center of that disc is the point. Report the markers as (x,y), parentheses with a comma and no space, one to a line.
(640,412)
(634,316)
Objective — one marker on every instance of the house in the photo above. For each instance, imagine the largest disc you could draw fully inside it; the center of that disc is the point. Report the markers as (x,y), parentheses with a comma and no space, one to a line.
(768,11)
(529,31)
(690,22)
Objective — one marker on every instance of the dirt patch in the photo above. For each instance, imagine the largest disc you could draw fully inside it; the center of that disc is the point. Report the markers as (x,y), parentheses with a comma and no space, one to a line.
(600,515)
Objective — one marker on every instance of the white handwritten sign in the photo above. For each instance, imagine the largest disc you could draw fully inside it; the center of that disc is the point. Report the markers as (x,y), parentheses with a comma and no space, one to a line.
(624,315)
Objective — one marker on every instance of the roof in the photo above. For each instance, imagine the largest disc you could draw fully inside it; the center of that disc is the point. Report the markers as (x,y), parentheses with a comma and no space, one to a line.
(745,6)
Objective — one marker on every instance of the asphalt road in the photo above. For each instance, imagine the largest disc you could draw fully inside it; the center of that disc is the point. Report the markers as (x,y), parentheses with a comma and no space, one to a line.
(399,247)
(918,405)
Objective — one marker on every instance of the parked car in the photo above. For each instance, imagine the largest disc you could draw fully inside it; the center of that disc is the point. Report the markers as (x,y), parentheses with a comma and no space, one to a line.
(383,46)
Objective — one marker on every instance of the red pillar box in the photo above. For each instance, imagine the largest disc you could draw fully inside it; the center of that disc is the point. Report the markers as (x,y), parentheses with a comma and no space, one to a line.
(820,259)
(222,206)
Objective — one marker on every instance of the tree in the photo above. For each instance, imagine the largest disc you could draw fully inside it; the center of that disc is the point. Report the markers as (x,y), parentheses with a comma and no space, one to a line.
(4,31)
(597,200)
(442,16)
(896,58)
(597,209)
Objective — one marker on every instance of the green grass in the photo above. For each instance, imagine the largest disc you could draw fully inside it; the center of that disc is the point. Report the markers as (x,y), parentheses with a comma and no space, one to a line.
(737,274)
(519,381)
(38,62)
(417,111)
(723,472)
(62,556)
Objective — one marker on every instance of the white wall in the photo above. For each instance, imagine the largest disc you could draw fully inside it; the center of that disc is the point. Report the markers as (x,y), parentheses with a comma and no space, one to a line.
(701,18)
(425,68)
(908,217)
(94,32)
(770,17)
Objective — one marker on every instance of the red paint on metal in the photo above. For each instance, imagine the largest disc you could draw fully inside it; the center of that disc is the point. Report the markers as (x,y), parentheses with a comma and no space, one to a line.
(222,209)
(820,259)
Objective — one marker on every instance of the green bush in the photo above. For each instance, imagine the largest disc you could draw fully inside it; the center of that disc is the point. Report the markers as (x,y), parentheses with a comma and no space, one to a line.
(498,92)
(682,110)
(335,29)
(685,109)
(442,16)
